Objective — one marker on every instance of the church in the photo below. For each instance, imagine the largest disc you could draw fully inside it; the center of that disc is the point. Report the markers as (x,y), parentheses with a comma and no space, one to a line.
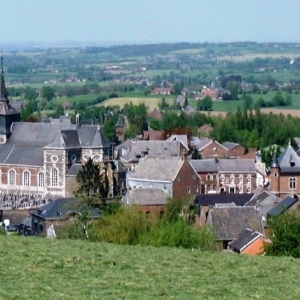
(41,160)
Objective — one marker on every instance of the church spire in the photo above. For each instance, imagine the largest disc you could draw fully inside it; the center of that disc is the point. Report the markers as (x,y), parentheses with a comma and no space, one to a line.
(3,92)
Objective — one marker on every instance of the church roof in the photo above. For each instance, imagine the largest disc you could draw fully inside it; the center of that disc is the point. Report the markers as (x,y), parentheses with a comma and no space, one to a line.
(120,122)
(65,139)
(21,155)
(92,136)
(289,161)
(36,134)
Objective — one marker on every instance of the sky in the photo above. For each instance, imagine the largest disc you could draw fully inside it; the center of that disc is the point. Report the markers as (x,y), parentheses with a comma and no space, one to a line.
(145,21)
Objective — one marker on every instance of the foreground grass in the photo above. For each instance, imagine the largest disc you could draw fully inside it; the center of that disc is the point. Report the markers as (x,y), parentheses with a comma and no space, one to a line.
(37,268)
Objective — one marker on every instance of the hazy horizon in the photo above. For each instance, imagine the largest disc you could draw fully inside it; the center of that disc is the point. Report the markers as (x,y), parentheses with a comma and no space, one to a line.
(147,22)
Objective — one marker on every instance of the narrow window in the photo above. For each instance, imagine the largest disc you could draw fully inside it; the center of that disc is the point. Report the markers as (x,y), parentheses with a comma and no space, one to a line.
(54,177)
(12,177)
(41,180)
(292,183)
(26,178)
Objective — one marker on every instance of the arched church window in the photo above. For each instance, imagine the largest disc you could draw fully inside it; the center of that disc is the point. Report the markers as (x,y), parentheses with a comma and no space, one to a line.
(54,177)
(12,177)
(41,179)
(26,178)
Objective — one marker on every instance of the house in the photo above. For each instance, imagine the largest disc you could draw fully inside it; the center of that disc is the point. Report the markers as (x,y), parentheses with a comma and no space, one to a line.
(285,173)
(264,201)
(57,213)
(205,130)
(174,175)
(229,222)
(249,242)
(208,147)
(149,200)
(226,175)
(161,91)
(182,138)
(282,206)
(132,151)
(153,135)
(205,202)
(35,157)
(155,114)
(234,150)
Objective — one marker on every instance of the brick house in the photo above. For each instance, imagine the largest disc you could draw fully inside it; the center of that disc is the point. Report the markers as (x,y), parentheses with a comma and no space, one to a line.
(249,242)
(205,202)
(285,174)
(209,148)
(57,213)
(226,175)
(161,91)
(234,150)
(229,222)
(149,200)
(174,175)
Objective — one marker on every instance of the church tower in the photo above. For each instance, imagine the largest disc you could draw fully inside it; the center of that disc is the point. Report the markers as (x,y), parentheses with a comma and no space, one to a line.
(120,129)
(8,114)
(275,176)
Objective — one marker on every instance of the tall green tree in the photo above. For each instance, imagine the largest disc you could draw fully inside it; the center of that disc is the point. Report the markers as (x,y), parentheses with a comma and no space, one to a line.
(47,93)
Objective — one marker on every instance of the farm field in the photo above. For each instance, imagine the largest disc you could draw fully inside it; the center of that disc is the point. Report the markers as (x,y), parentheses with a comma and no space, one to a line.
(39,268)
(121,101)
(252,56)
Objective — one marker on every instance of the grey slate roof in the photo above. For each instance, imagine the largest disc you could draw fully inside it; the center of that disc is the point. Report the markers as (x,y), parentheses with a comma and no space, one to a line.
(287,159)
(21,155)
(282,206)
(120,122)
(182,138)
(75,168)
(65,139)
(230,222)
(157,168)
(92,136)
(36,134)
(201,143)
(245,238)
(151,149)
(213,199)
(230,145)
(146,197)
(224,165)
(61,208)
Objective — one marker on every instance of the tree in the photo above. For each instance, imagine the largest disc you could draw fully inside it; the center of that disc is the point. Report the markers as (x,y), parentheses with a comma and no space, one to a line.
(206,104)
(30,94)
(285,237)
(88,179)
(47,93)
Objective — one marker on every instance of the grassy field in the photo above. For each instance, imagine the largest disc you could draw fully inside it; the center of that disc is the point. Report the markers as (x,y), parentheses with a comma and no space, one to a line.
(150,102)
(38,268)
(252,56)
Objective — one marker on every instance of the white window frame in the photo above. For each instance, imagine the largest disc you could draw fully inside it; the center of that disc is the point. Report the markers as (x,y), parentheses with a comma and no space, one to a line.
(292,183)
(12,180)
(41,179)
(54,176)
(26,178)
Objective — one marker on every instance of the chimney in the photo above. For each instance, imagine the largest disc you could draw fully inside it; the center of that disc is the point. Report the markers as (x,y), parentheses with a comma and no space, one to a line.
(78,121)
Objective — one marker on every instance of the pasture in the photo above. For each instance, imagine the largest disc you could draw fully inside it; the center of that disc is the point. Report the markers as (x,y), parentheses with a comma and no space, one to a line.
(252,56)
(150,102)
(39,268)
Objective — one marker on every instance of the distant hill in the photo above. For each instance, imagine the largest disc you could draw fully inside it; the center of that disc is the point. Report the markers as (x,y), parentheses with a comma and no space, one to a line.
(38,268)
